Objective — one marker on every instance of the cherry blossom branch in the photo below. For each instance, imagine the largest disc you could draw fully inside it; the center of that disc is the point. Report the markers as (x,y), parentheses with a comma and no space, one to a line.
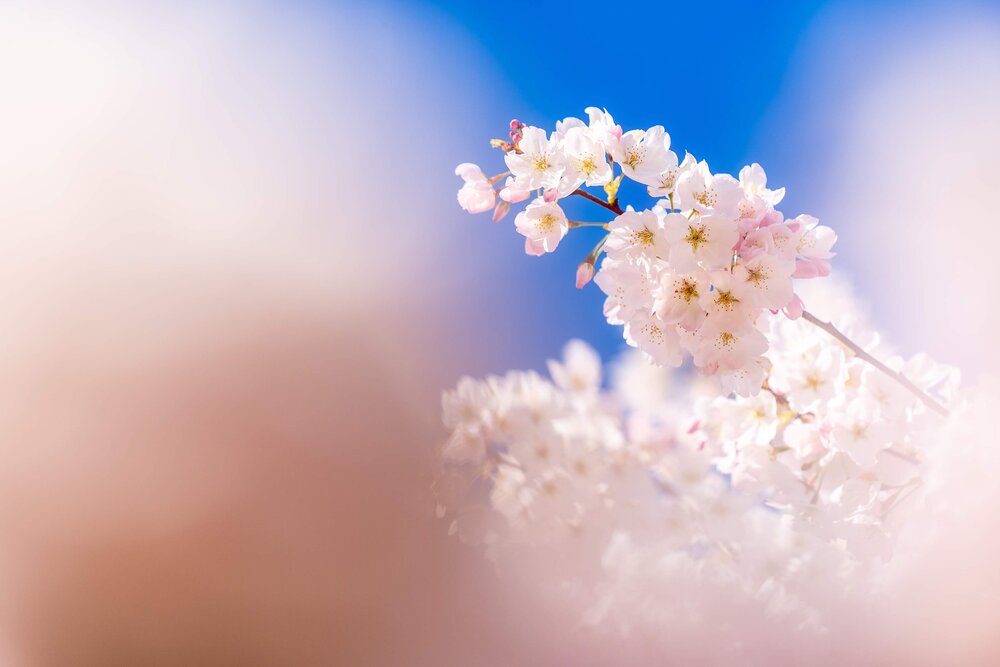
(862,354)
(614,208)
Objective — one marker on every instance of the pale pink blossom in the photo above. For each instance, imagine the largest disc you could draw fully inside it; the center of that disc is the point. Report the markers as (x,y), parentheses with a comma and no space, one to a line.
(700,190)
(636,234)
(477,194)
(543,225)
(540,163)
(643,154)
(767,279)
(728,342)
(678,299)
(703,241)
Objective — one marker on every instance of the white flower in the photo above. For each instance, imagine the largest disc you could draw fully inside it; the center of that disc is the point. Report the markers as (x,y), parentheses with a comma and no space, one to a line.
(580,370)
(666,182)
(728,296)
(805,440)
(586,161)
(603,128)
(542,224)
(565,125)
(699,190)
(810,378)
(629,288)
(753,181)
(540,163)
(466,444)
(656,338)
(467,403)
(860,433)
(813,248)
(514,192)
(728,342)
(751,422)
(706,240)
(745,380)
(767,279)
(678,299)
(477,194)
(644,155)
(636,234)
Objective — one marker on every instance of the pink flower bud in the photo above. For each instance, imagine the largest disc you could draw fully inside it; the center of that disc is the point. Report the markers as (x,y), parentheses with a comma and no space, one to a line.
(500,211)
(515,124)
(550,195)
(584,274)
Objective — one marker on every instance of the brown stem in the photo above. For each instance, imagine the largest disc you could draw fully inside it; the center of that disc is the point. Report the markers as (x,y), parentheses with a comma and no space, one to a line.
(614,208)
(859,352)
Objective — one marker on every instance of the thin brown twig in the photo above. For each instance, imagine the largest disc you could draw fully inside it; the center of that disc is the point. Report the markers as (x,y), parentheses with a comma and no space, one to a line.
(614,208)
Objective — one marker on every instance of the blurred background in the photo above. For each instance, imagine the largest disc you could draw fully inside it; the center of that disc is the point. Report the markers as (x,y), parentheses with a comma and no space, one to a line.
(235,279)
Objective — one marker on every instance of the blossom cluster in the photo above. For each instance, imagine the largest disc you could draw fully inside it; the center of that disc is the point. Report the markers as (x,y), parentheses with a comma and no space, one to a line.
(613,501)
(832,441)
(699,272)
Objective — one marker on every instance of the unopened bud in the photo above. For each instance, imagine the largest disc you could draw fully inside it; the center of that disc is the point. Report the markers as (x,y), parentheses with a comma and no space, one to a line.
(500,211)
(584,273)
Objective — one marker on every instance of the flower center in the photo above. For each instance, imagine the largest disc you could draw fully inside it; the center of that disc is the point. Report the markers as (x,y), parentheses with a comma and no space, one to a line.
(545,223)
(654,333)
(756,276)
(643,237)
(633,157)
(746,210)
(541,162)
(725,300)
(706,198)
(687,291)
(696,236)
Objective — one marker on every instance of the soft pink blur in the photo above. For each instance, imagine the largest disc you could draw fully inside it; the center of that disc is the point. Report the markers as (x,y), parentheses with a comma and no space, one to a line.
(220,389)
(899,125)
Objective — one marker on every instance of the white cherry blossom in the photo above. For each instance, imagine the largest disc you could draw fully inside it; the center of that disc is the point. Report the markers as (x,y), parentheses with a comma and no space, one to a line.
(644,154)
(636,234)
(703,241)
(666,182)
(678,299)
(543,225)
(540,164)
(586,161)
(699,190)
(477,194)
